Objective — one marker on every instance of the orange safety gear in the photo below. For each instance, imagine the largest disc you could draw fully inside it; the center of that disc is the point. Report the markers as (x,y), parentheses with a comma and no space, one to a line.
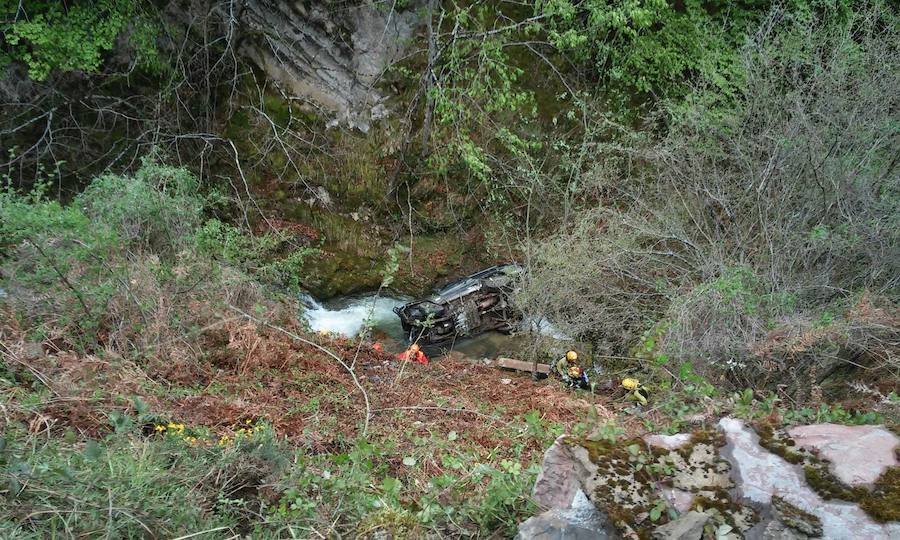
(414,354)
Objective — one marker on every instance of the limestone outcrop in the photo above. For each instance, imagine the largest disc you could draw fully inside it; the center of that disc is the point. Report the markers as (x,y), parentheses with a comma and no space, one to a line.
(728,482)
(329,53)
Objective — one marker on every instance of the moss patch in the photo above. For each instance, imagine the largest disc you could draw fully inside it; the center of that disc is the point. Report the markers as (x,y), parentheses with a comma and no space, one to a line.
(828,485)
(778,443)
(883,502)
(627,481)
(796,518)
(723,509)
(622,489)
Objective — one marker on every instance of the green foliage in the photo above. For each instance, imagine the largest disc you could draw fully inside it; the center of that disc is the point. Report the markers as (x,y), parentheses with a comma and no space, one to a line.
(123,250)
(826,413)
(377,486)
(392,265)
(482,109)
(157,209)
(73,36)
(58,253)
(271,257)
(663,49)
(127,487)
(651,47)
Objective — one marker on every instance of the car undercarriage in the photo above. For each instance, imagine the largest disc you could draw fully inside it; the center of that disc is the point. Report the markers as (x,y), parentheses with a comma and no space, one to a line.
(469,306)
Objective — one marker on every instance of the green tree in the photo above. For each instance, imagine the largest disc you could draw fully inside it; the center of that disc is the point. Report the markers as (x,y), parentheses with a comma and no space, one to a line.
(72,36)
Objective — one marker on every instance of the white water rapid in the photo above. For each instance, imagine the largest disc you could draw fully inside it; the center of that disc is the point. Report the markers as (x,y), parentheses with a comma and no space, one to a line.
(347,316)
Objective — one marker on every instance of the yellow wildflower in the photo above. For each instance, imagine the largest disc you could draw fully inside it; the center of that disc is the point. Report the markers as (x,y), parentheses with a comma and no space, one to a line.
(159,428)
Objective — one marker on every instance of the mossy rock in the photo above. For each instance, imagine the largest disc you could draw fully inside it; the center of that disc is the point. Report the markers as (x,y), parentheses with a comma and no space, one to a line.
(796,518)
(883,502)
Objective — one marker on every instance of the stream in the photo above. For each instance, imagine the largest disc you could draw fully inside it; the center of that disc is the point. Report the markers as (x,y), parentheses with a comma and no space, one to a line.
(347,316)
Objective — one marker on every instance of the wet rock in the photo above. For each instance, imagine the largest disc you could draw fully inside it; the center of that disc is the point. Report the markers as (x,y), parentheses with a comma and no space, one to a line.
(582,513)
(759,475)
(858,454)
(551,526)
(689,526)
(668,442)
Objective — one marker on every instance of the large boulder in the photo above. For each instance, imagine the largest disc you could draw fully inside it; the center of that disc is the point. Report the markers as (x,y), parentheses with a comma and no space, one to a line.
(722,481)
(559,490)
(761,475)
(858,454)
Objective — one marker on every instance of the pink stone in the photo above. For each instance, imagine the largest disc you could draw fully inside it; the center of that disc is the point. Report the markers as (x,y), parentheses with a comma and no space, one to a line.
(679,499)
(560,476)
(858,454)
(760,474)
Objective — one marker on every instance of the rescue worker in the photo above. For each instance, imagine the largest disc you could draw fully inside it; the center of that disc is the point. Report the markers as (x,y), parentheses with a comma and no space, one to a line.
(636,391)
(570,372)
(414,354)
(578,377)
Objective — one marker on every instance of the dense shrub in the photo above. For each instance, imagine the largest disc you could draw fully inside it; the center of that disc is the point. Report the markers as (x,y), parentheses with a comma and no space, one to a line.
(155,210)
(771,216)
(119,267)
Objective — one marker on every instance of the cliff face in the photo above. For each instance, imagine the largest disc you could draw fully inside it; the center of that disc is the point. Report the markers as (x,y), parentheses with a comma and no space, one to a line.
(331,53)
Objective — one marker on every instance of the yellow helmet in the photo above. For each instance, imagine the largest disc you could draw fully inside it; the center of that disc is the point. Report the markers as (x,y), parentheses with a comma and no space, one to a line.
(571,356)
(630,384)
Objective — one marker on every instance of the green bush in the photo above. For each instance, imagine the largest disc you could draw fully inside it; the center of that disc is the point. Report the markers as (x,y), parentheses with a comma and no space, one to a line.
(123,487)
(158,209)
(773,215)
(119,263)
(55,261)
(271,258)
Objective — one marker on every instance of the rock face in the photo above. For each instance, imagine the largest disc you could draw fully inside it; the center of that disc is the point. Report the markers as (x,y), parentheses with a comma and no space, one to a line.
(858,454)
(331,53)
(760,475)
(560,476)
(569,515)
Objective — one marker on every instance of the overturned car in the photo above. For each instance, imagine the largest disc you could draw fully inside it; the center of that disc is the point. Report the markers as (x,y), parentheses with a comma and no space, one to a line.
(466,307)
